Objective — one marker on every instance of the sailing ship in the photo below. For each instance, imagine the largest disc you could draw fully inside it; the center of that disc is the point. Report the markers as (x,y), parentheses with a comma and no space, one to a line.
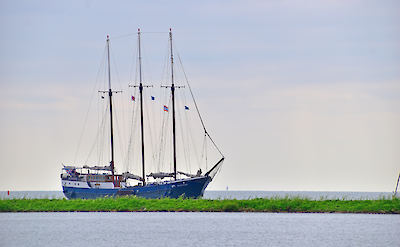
(103,180)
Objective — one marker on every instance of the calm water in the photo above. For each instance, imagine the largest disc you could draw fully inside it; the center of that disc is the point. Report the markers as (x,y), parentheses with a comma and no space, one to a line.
(230,194)
(201,229)
(198,229)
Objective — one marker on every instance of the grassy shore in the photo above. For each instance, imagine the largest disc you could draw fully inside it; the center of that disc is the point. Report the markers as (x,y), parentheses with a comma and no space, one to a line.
(136,204)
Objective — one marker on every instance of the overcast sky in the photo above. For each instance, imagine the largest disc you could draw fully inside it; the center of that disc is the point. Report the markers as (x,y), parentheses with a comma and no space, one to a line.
(298,95)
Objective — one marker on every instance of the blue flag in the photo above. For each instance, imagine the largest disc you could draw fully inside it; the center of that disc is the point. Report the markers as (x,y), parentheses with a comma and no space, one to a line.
(186,108)
(152,98)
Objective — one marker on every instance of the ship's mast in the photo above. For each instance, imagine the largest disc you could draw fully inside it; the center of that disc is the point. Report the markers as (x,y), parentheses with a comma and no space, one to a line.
(141,108)
(110,93)
(111,116)
(173,87)
(173,103)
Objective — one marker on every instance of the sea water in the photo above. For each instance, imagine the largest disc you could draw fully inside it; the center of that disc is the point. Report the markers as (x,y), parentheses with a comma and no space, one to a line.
(201,228)
(197,229)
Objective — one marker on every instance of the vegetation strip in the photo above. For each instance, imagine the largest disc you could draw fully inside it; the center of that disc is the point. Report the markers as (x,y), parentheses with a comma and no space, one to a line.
(137,204)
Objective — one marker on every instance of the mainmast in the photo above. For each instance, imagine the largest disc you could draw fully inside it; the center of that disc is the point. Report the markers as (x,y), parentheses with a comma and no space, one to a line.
(141,108)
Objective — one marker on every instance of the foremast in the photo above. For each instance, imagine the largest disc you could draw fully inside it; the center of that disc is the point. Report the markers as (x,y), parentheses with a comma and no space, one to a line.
(110,94)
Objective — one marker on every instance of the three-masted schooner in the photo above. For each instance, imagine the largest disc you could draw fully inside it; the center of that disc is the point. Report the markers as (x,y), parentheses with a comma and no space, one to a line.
(100,181)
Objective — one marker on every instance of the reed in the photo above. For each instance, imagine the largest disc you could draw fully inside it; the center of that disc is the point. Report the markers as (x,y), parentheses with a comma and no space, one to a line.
(137,204)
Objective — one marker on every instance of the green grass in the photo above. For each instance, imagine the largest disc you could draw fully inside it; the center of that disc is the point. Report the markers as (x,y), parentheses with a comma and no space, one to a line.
(137,204)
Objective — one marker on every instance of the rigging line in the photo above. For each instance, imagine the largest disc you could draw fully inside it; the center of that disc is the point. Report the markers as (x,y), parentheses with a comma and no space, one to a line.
(163,139)
(91,100)
(204,150)
(166,67)
(97,137)
(187,131)
(147,111)
(190,89)
(181,103)
(134,124)
(132,110)
(159,149)
(180,127)
(197,109)
(147,63)
(134,91)
(136,72)
(191,134)
(103,133)
(100,121)
(131,117)
(115,66)
(118,132)
(153,106)
(214,144)
(154,32)
(126,159)
(102,128)
(123,36)
(149,123)
(119,82)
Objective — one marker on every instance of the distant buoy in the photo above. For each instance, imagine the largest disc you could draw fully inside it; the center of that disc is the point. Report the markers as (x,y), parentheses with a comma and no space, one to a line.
(226,188)
(8,192)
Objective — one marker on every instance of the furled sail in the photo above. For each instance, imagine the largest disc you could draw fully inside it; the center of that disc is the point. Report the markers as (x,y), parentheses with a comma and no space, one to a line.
(127,175)
(99,168)
(160,175)
(198,174)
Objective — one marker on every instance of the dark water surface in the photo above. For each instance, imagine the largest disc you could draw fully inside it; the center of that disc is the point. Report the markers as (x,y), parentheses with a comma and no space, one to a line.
(197,229)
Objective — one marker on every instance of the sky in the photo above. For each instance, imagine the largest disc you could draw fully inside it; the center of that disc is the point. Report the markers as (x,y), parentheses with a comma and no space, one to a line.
(298,95)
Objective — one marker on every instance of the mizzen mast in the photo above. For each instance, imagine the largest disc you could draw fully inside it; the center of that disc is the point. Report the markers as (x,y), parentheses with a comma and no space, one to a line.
(173,103)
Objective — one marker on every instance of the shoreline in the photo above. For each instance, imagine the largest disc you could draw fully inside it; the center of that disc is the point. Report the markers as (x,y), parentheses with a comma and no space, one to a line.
(136,204)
